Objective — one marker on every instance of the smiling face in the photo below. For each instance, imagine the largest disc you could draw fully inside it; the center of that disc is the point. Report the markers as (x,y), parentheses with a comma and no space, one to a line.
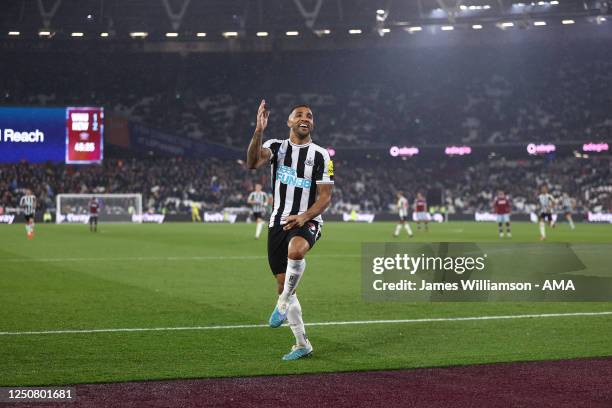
(301,122)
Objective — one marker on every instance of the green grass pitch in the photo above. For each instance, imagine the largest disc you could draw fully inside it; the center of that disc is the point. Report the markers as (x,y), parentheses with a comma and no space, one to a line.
(182,275)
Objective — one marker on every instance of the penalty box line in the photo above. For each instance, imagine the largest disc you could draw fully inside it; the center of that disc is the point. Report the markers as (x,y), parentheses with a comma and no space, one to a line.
(338,323)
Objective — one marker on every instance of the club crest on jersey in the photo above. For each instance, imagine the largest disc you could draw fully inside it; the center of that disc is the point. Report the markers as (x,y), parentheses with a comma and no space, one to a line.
(309,162)
(288,175)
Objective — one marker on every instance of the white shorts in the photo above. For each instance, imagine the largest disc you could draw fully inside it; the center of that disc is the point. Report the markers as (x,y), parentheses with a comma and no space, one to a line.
(503,217)
(422,216)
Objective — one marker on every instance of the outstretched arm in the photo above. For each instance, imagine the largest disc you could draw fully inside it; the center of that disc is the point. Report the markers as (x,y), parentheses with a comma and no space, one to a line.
(256,155)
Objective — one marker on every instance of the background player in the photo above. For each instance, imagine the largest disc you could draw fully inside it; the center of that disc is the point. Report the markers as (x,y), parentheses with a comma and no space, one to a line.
(547,205)
(302,181)
(567,206)
(94,206)
(258,200)
(28,205)
(195,212)
(501,207)
(420,209)
(402,209)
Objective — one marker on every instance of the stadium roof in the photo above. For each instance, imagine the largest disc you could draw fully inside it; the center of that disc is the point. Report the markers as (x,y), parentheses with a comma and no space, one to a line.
(182,20)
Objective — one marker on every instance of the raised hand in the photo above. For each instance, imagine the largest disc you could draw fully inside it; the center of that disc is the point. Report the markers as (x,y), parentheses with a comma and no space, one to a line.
(262,116)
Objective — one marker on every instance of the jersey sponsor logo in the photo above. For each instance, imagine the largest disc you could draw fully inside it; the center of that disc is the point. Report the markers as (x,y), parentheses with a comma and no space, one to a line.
(288,175)
(330,168)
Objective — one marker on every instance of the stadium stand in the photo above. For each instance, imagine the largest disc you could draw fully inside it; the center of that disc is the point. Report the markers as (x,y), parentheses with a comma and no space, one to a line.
(466,186)
(491,96)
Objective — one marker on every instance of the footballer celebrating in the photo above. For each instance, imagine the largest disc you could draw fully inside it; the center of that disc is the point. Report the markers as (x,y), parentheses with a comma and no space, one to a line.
(302,176)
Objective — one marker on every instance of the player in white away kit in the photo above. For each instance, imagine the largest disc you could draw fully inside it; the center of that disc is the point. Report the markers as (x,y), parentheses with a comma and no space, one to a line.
(302,181)
(258,200)
(28,205)
(547,205)
(402,210)
(567,206)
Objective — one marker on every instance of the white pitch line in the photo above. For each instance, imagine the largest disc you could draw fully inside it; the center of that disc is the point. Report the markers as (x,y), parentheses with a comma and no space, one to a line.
(160,258)
(341,323)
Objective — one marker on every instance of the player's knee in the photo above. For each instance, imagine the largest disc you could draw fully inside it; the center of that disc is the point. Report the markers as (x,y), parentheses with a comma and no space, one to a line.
(298,247)
(296,254)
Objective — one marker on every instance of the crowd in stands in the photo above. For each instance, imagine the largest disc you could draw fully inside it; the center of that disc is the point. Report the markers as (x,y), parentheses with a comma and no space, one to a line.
(471,95)
(519,92)
(464,187)
(172,185)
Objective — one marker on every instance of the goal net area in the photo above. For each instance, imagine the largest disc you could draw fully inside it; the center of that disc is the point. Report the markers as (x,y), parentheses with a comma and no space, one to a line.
(75,208)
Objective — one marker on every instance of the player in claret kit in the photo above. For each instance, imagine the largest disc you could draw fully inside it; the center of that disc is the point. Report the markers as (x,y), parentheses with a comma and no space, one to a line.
(402,210)
(420,211)
(302,176)
(501,207)
(94,206)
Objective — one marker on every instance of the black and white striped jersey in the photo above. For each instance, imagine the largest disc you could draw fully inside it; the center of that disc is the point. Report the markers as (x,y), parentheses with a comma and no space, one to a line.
(258,201)
(28,203)
(547,202)
(296,170)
